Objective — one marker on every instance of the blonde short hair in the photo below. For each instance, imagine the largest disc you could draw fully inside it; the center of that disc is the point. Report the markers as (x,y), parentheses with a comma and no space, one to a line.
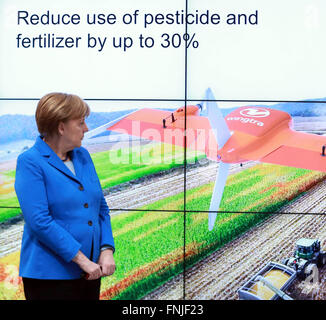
(58,107)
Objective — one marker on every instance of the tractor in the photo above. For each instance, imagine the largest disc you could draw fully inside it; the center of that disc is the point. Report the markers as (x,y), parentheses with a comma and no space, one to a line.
(307,257)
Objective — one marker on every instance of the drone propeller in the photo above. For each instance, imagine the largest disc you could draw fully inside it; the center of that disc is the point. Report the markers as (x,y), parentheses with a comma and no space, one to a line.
(222,135)
(220,181)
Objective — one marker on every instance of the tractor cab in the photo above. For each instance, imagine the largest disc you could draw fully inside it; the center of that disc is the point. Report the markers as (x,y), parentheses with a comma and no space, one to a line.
(307,256)
(306,248)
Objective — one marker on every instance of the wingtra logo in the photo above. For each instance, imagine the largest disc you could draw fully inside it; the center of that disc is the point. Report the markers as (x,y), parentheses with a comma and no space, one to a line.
(255,112)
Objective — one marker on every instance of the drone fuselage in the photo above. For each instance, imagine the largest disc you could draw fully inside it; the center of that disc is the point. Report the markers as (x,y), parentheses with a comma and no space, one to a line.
(254,131)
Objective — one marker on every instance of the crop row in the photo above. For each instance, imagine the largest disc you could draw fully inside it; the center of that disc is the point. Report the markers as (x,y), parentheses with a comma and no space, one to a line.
(150,243)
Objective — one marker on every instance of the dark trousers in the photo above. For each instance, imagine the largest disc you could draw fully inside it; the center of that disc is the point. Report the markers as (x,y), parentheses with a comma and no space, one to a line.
(79,289)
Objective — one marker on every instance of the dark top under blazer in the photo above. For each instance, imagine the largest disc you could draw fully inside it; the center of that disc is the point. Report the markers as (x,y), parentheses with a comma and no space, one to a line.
(63,213)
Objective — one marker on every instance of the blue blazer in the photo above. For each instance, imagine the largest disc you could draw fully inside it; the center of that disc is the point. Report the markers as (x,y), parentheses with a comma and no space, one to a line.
(63,213)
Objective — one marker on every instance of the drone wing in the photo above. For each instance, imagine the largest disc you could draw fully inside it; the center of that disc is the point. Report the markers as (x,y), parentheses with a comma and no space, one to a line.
(152,124)
(300,150)
(167,127)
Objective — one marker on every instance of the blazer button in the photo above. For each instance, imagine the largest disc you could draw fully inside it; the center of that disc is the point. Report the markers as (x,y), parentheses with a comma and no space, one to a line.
(90,223)
(81,188)
(86,205)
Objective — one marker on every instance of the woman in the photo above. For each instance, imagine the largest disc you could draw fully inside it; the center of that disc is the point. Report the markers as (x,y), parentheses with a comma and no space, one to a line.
(67,243)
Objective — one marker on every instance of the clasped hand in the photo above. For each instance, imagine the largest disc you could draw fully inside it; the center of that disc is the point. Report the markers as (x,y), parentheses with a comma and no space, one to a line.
(104,267)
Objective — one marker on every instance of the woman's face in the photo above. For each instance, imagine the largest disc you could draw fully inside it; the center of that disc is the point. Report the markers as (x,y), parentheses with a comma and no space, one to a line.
(72,132)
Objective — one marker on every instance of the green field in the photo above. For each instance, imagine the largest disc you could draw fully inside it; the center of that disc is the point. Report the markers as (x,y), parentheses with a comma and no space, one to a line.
(113,167)
(264,188)
(8,196)
(150,244)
